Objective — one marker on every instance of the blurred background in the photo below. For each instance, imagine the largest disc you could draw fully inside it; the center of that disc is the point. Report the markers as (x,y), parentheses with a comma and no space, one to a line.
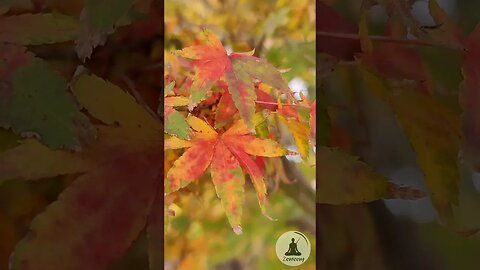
(131,59)
(394,234)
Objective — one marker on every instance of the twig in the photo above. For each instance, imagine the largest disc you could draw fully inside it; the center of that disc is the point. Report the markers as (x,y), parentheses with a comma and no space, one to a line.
(301,191)
(387,39)
(138,97)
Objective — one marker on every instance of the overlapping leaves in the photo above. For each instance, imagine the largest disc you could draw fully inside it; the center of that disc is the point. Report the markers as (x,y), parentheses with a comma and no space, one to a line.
(228,157)
(238,69)
(175,123)
(102,213)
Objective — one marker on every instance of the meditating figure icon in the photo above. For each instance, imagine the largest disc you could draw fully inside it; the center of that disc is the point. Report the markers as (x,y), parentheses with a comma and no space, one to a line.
(292,249)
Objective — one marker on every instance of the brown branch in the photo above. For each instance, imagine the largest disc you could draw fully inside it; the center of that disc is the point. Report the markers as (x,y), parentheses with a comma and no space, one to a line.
(300,190)
(387,39)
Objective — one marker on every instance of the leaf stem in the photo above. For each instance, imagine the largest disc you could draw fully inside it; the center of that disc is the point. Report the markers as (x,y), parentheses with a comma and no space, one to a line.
(387,39)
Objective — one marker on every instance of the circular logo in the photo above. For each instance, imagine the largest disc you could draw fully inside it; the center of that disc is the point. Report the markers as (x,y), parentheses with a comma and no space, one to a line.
(293,248)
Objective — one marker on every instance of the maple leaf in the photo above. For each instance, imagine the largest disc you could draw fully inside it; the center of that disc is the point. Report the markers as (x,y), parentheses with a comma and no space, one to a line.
(301,134)
(226,107)
(34,101)
(434,142)
(297,125)
(98,19)
(343,179)
(238,69)
(288,115)
(226,154)
(103,211)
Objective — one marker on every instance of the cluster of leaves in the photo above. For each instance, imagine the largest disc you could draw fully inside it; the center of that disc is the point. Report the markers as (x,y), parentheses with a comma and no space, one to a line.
(241,88)
(281,33)
(398,74)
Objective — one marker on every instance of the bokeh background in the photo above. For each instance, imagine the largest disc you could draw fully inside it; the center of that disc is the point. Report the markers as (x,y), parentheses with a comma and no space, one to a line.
(395,234)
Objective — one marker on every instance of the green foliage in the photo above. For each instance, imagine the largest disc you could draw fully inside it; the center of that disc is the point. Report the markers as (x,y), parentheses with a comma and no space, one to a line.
(35,102)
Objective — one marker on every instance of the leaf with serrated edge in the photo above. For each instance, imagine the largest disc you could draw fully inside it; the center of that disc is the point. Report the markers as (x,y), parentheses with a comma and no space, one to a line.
(301,135)
(210,61)
(191,165)
(242,92)
(228,178)
(255,146)
(239,71)
(175,124)
(260,70)
(98,19)
(206,144)
(255,174)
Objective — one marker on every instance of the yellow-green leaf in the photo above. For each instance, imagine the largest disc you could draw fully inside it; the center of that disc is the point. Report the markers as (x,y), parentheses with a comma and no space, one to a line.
(228,178)
(110,104)
(433,132)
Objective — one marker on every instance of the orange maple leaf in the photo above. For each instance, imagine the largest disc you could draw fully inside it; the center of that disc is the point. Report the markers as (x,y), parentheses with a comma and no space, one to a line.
(226,154)
(238,69)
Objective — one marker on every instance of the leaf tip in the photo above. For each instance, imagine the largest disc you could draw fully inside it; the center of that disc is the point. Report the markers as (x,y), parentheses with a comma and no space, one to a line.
(264,213)
(237,229)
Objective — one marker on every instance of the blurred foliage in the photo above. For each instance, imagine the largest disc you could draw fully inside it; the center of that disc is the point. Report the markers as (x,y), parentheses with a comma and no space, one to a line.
(378,129)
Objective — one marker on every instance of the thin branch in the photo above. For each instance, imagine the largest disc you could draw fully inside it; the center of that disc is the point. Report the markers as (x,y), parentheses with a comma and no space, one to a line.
(387,39)
(301,191)
(139,98)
